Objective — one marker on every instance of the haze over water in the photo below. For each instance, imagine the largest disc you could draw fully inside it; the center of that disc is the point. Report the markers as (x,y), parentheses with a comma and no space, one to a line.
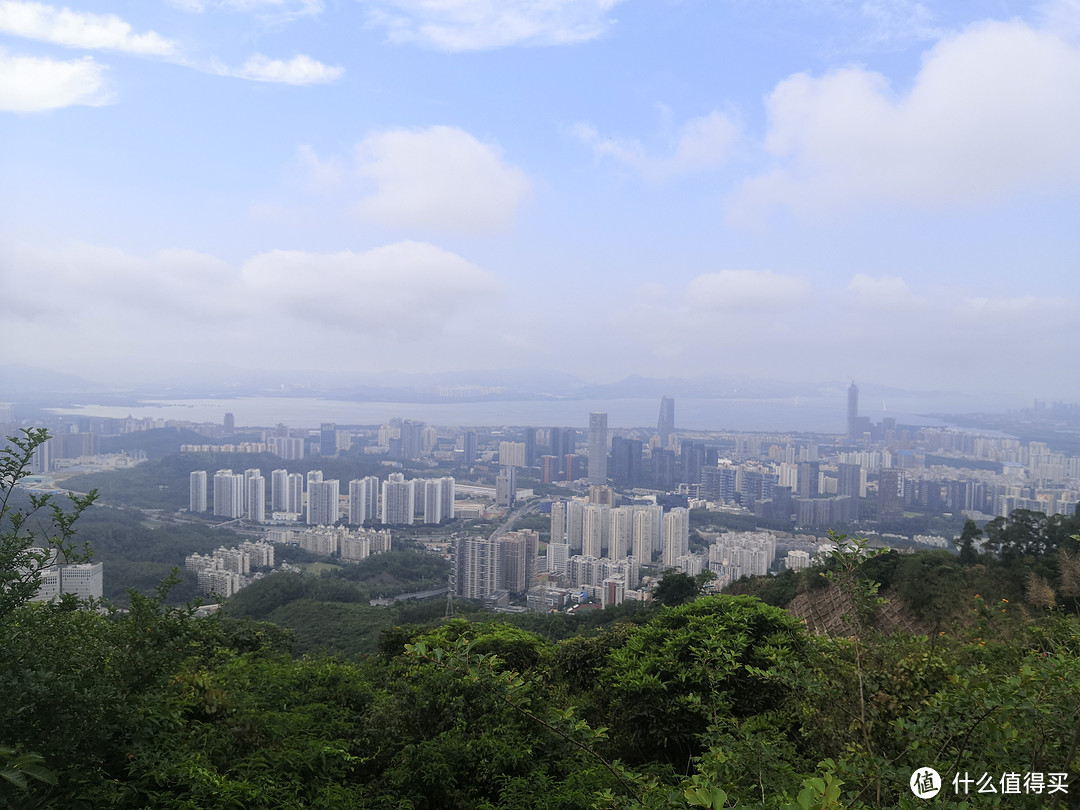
(805,414)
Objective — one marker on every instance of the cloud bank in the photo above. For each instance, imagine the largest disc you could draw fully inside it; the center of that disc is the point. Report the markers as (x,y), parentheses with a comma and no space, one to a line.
(30,84)
(990,114)
(474,25)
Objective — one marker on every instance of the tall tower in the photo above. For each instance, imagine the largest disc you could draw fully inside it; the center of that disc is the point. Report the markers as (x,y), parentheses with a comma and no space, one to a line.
(597,448)
(363,499)
(279,491)
(256,497)
(228,494)
(469,448)
(327,439)
(323,502)
(852,410)
(197,497)
(397,500)
(665,425)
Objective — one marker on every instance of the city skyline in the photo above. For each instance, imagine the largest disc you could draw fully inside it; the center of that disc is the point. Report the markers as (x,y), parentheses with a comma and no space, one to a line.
(886,191)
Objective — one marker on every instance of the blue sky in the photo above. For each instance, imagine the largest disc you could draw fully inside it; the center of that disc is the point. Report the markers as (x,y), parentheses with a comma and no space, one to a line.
(794,189)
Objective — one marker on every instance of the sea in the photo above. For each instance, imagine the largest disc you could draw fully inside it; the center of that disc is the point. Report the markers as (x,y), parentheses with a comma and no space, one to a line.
(797,415)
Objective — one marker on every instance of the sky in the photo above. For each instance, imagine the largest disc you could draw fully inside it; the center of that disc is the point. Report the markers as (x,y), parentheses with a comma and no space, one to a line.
(804,190)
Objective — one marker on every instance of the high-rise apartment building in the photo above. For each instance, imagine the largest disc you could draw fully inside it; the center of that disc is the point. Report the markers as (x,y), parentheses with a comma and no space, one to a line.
(295,502)
(851,483)
(279,491)
(676,534)
(558,522)
(809,479)
(563,444)
(891,495)
(398,501)
(575,520)
(228,494)
(474,567)
(598,448)
(663,469)
(327,439)
(288,447)
(647,532)
(620,532)
(512,454)
(468,446)
(363,500)
(412,439)
(529,440)
(322,507)
(197,491)
(853,411)
(438,494)
(256,496)
(594,529)
(626,466)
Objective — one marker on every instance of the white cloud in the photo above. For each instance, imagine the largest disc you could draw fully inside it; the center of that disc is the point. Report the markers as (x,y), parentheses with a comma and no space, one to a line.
(470,25)
(440,178)
(990,114)
(702,144)
(278,9)
(75,29)
(414,301)
(31,84)
(406,289)
(300,70)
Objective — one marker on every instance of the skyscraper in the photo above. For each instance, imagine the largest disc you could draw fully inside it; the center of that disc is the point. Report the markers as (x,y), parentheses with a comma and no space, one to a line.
(530,446)
(323,502)
(363,499)
(474,567)
(558,522)
(438,495)
(626,467)
(891,495)
(256,496)
(597,448)
(228,494)
(506,487)
(563,444)
(412,439)
(850,483)
(279,491)
(853,411)
(676,537)
(295,502)
(468,447)
(397,500)
(197,495)
(328,439)
(809,479)
(665,425)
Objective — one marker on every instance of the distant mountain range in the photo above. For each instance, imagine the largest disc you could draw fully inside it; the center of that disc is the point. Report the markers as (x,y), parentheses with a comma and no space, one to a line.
(23,382)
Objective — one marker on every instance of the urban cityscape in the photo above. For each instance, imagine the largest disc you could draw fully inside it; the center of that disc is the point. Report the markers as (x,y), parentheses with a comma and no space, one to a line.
(618,506)
(539,404)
